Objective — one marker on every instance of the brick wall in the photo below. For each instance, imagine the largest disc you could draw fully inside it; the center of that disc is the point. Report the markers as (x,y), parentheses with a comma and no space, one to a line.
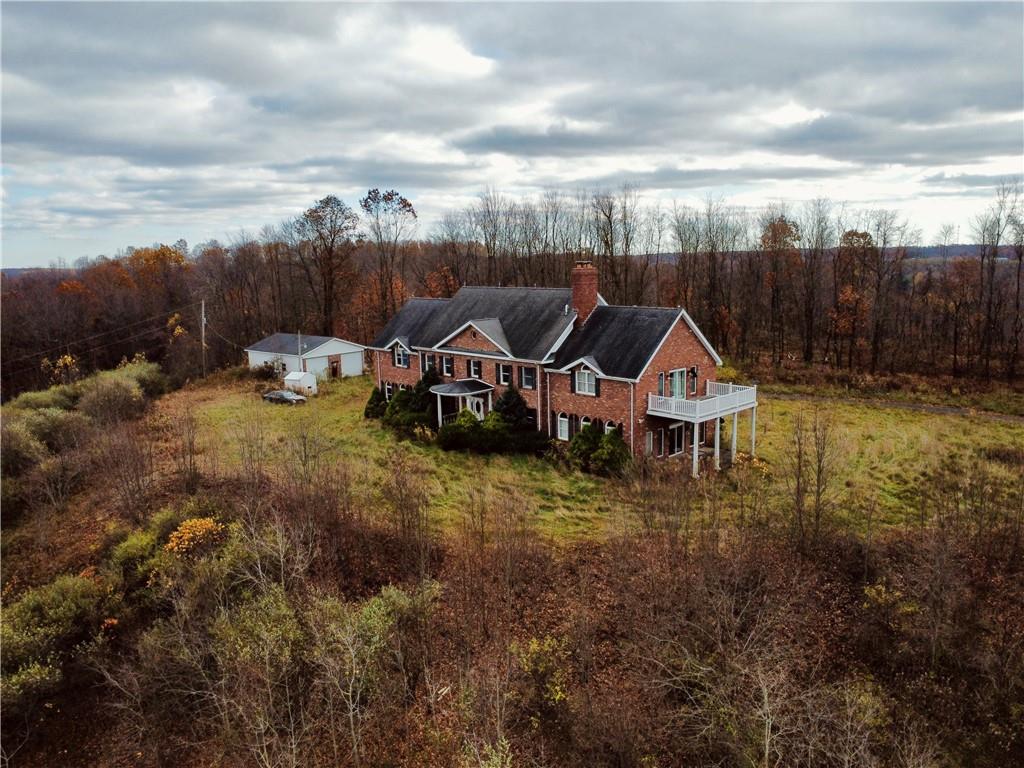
(681,349)
(473,339)
(611,405)
(385,370)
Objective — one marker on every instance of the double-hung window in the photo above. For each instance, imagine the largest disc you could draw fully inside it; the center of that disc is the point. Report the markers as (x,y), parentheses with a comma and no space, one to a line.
(448,365)
(586,382)
(563,427)
(389,390)
(474,369)
(527,377)
(429,363)
(401,356)
(504,374)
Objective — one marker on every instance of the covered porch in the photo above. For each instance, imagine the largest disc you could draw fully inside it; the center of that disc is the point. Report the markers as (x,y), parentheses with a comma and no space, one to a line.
(476,395)
(720,401)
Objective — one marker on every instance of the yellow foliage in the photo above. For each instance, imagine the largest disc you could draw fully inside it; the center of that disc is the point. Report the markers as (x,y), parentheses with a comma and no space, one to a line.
(195,536)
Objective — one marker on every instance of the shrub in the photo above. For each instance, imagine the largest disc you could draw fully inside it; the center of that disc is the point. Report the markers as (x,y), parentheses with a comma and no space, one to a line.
(151,379)
(63,397)
(376,405)
(195,536)
(55,427)
(134,559)
(19,449)
(111,399)
(540,690)
(612,455)
(583,445)
(512,407)
(401,414)
(40,633)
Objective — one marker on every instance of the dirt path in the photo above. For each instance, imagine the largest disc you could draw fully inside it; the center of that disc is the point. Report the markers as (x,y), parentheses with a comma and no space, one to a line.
(946,410)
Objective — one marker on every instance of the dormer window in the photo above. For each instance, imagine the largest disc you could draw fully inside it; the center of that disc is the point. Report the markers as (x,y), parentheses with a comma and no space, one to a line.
(586,382)
(401,356)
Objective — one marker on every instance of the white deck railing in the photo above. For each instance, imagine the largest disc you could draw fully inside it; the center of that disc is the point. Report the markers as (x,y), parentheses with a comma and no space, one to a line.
(721,400)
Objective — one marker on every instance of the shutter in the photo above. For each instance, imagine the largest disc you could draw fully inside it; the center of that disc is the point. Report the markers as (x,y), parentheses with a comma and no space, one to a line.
(597,386)
(661,385)
(469,368)
(497,373)
(572,381)
(521,369)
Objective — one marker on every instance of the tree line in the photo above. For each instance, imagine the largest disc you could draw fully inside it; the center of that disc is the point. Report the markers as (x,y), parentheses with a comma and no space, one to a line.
(819,283)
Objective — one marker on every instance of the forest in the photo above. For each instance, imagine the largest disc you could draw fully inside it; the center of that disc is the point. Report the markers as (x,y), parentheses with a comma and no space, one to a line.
(818,286)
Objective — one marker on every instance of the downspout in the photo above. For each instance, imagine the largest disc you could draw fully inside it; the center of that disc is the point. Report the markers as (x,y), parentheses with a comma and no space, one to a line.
(547,391)
(632,420)
(536,374)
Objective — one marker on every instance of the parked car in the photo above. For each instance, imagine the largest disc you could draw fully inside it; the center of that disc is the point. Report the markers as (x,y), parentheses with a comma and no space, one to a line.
(284,397)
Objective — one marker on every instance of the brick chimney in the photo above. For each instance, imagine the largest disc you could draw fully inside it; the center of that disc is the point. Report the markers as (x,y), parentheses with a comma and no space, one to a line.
(584,290)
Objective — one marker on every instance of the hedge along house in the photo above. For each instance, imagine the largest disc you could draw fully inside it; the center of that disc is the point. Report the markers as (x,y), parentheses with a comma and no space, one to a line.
(646,371)
(323,356)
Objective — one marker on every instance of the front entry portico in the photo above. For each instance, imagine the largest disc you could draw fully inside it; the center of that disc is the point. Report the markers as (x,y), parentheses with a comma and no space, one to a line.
(476,395)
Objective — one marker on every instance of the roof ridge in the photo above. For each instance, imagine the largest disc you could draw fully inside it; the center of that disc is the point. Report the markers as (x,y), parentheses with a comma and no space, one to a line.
(636,306)
(520,287)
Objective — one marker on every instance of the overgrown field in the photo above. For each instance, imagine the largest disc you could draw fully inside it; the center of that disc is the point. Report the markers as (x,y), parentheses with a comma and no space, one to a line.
(207,579)
(885,453)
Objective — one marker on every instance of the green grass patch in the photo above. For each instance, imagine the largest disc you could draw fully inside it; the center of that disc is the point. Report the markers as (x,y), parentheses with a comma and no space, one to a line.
(886,453)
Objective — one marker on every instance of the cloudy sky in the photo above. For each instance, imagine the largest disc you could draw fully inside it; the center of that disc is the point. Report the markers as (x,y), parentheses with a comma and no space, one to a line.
(127,124)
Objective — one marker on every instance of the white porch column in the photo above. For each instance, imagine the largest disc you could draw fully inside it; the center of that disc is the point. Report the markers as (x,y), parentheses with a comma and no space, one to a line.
(735,424)
(753,431)
(695,471)
(490,401)
(439,416)
(718,443)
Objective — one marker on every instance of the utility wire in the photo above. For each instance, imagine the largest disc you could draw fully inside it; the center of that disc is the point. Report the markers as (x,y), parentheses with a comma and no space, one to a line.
(67,344)
(99,346)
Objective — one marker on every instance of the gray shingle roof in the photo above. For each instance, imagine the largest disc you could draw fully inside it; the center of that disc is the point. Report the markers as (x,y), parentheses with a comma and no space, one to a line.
(411,322)
(531,319)
(288,343)
(620,339)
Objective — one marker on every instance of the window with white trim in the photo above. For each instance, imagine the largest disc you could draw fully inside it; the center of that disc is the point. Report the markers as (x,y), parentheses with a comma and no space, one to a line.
(527,377)
(649,444)
(474,369)
(401,356)
(584,423)
(448,365)
(609,427)
(677,383)
(693,380)
(586,382)
(504,374)
(429,363)
(563,427)
(389,390)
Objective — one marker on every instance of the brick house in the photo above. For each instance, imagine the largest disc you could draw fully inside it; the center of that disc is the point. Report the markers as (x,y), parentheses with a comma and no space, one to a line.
(645,371)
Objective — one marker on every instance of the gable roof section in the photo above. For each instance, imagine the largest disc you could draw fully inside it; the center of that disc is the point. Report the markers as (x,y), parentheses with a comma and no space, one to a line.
(490,327)
(411,322)
(620,340)
(530,319)
(288,344)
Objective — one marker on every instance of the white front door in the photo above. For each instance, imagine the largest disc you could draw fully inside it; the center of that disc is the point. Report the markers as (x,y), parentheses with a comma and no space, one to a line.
(476,405)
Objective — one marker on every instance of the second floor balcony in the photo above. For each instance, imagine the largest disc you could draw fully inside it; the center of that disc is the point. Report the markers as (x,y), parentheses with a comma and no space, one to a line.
(720,399)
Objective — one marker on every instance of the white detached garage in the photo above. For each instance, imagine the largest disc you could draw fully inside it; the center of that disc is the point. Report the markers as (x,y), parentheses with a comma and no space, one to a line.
(323,356)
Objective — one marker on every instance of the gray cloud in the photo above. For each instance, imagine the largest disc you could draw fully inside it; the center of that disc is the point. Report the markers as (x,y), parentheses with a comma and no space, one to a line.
(124,117)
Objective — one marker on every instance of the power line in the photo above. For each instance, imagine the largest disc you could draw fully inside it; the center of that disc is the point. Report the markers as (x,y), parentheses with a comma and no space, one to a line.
(99,346)
(66,344)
